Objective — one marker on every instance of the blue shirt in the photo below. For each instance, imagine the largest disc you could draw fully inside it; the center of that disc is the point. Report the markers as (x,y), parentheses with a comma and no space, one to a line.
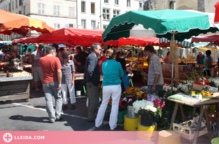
(205,63)
(200,60)
(112,71)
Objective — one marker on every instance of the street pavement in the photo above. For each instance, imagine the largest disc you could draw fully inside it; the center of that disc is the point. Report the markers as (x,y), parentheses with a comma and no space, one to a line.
(32,116)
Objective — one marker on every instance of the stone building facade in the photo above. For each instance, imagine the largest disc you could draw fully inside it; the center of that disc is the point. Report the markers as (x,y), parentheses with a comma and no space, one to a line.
(200,5)
(86,14)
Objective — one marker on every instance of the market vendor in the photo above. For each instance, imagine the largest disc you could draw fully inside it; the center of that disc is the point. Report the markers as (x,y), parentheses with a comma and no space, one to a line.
(200,58)
(13,55)
(125,78)
(166,59)
(141,54)
(102,60)
(160,52)
(155,75)
(207,63)
(129,54)
(80,60)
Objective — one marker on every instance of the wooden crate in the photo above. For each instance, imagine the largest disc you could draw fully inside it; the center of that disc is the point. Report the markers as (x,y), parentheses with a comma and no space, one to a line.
(15,90)
(187,132)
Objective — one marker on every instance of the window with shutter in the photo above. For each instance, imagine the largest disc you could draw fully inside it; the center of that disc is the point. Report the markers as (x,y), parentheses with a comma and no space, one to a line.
(93,24)
(83,6)
(128,3)
(93,8)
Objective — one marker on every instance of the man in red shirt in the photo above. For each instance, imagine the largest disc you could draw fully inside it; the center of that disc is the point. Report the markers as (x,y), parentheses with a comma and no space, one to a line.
(52,76)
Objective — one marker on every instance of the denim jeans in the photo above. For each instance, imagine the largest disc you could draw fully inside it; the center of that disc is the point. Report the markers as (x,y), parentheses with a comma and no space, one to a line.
(156,90)
(50,90)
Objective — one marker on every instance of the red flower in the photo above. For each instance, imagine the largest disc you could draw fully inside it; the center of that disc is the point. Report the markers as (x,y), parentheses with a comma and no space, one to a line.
(122,103)
(133,98)
(206,81)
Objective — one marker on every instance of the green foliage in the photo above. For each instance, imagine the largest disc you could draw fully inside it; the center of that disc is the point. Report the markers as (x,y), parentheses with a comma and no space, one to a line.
(146,112)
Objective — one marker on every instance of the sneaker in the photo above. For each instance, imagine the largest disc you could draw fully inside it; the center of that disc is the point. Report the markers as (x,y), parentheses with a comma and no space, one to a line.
(103,124)
(59,119)
(64,107)
(73,107)
(51,121)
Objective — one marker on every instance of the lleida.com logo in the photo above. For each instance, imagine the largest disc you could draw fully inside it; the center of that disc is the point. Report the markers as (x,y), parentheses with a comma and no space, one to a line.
(7,137)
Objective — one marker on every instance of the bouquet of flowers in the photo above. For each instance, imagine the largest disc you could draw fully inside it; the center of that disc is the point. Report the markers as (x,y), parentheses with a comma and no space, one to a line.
(122,104)
(130,100)
(144,106)
(153,105)
(166,91)
(158,103)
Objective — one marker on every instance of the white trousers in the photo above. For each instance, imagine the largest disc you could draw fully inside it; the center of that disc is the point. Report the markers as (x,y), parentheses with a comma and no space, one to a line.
(114,92)
(71,88)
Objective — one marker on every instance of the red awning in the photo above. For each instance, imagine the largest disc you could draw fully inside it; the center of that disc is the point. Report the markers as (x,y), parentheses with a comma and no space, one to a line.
(211,38)
(142,41)
(73,36)
(31,40)
(216,17)
(1,39)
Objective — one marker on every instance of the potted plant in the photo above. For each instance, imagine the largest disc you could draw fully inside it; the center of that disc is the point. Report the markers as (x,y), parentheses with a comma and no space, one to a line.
(147,111)
(149,108)
(130,108)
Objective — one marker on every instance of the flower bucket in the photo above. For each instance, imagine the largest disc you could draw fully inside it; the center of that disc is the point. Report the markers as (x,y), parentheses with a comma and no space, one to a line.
(131,112)
(147,119)
(121,115)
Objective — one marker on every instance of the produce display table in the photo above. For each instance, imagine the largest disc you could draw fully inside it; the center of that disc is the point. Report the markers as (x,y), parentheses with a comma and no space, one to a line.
(80,76)
(204,109)
(15,88)
(26,65)
(145,68)
(4,63)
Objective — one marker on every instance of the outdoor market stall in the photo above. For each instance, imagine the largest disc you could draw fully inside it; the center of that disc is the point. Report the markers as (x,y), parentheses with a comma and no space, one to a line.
(171,24)
(197,93)
(14,82)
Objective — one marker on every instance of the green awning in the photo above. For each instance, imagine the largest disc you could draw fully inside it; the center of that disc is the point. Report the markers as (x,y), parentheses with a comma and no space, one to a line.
(185,23)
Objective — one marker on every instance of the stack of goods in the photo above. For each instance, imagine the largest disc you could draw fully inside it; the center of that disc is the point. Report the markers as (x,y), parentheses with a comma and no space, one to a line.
(131,59)
(19,74)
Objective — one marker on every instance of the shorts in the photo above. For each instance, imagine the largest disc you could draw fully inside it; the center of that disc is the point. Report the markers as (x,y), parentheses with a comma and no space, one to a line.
(38,75)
